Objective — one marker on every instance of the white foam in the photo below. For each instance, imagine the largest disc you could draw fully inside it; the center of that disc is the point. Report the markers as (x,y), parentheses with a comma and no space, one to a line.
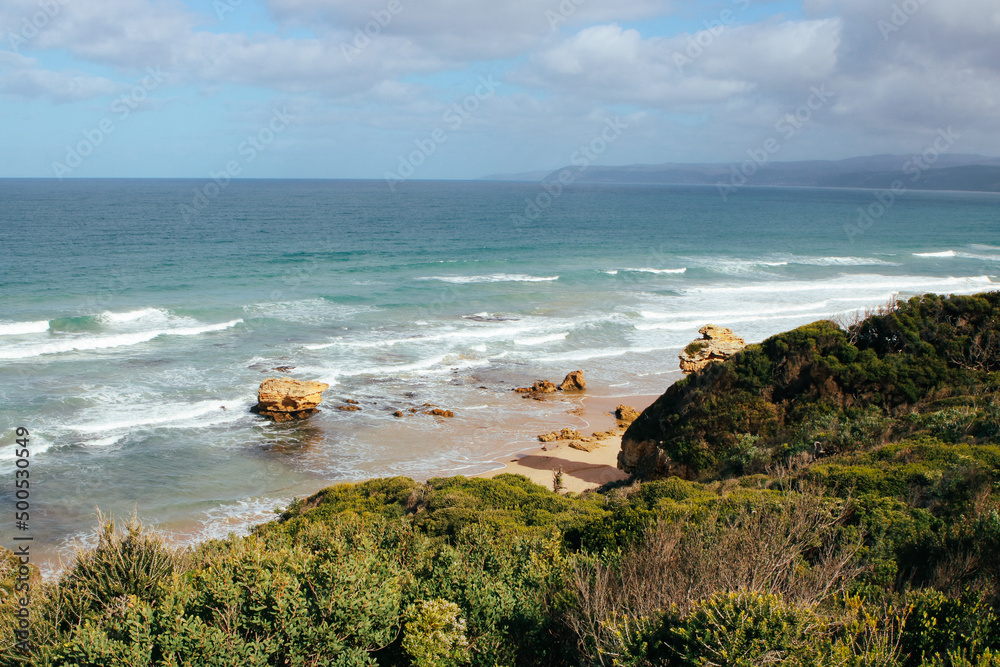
(682,326)
(86,343)
(127,418)
(21,328)
(858,282)
(306,310)
(586,354)
(469,333)
(492,278)
(37,445)
(108,317)
(657,271)
(944,253)
(611,272)
(841,261)
(541,340)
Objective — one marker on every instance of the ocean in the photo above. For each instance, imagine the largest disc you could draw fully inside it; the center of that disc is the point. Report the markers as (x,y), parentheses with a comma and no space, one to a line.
(138,318)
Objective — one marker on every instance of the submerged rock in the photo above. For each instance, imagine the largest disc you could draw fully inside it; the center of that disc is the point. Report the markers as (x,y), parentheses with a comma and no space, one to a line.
(438,412)
(715,344)
(285,399)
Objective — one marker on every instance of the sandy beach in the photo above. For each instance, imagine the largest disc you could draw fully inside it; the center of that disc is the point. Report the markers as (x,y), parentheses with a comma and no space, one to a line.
(582,470)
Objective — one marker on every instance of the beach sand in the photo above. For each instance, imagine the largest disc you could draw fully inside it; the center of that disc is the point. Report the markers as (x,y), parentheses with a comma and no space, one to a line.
(581,470)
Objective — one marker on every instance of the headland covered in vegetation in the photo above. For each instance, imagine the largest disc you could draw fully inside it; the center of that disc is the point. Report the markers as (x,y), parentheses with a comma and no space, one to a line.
(826,497)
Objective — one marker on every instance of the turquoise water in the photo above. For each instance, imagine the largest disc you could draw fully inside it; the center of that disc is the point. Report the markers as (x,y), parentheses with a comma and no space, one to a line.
(126,326)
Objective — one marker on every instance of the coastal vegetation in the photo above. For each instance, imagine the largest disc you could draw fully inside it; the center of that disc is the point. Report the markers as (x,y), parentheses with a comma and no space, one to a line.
(834,502)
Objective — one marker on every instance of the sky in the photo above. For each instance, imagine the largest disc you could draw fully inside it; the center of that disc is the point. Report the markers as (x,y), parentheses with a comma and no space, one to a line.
(456,89)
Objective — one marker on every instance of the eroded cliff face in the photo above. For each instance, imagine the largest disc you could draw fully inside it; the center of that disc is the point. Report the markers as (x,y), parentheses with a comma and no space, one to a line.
(716,344)
(285,399)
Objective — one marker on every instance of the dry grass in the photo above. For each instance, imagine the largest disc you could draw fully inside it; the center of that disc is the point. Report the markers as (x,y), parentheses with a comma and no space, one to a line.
(793,549)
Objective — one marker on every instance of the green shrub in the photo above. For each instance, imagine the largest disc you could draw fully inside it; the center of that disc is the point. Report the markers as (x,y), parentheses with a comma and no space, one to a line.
(954,631)
(739,630)
(434,634)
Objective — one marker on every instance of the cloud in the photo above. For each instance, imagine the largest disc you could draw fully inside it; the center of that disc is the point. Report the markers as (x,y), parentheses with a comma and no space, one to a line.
(607,63)
(22,77)
(464,30)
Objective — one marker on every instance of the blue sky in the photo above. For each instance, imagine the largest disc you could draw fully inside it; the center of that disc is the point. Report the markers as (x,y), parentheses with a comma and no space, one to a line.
(460,89)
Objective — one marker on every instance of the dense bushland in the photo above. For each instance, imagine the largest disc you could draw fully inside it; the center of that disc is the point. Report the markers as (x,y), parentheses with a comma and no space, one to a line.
(880,546)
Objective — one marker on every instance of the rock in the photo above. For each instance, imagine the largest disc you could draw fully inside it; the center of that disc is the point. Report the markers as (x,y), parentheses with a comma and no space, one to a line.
(570,434)
(585,445)
(573,382)
(645,459)
(286,399)
(540,387)
(548,437)
(438,412)
(716,344)
(348,408)
(397,413)
(284,369)
(626,413)
(351,401)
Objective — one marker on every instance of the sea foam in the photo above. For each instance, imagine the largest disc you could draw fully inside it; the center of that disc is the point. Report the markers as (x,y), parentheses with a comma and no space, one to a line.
(89,343)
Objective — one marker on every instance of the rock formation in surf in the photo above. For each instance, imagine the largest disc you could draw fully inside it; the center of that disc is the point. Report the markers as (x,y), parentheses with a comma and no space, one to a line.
(573,382)
(285,399)
(715,344)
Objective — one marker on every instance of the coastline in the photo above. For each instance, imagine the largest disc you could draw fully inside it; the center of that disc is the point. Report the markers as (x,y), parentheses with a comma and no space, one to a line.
(582,470)
(586,411)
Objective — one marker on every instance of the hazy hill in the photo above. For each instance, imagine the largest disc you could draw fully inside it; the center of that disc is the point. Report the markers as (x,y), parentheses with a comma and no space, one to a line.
(947,172)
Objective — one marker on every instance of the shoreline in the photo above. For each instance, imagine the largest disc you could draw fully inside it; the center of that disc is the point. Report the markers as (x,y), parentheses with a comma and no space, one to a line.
(582,470)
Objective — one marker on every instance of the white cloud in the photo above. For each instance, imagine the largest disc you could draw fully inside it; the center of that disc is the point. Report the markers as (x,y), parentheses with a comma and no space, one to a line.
(610,64)
(465,29)
(21,76)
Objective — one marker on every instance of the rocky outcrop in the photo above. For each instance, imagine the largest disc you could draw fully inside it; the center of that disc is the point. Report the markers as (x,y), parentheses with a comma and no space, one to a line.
(715,344)
(540,387)
(626,414)
(573,382)
(586,445)
(285,399)
(438,412)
